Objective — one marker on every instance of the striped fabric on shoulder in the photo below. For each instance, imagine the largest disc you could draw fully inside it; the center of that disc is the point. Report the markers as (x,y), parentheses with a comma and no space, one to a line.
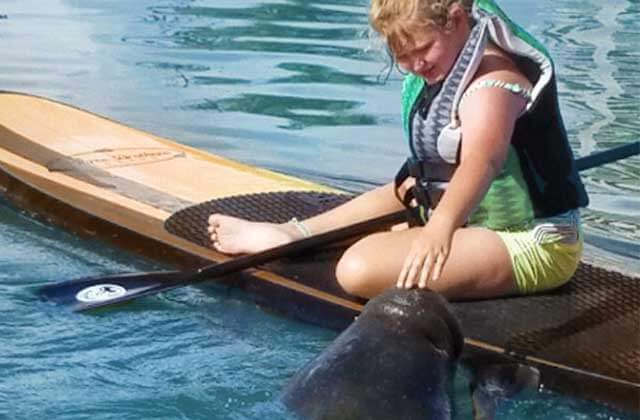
(514,88)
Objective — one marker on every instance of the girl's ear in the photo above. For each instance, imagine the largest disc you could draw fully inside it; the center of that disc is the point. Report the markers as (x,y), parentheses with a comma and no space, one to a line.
(455,17)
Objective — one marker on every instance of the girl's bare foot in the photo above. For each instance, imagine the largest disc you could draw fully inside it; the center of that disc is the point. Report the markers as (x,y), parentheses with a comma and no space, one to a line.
(232,235)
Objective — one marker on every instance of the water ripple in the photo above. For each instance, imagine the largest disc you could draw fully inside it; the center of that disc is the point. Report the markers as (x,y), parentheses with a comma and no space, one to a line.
(299,112)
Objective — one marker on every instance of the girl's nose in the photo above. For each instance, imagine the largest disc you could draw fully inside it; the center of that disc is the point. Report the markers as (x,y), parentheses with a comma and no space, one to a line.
(418,65)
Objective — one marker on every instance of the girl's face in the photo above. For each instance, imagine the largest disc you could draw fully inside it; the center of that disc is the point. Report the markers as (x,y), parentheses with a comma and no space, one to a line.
(433,51)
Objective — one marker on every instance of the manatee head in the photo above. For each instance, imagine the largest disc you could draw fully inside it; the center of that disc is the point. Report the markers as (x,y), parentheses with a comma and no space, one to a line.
(418,312)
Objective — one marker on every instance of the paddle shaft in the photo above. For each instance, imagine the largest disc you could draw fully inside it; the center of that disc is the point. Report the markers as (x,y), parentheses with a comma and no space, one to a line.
(169,280)
(607,156)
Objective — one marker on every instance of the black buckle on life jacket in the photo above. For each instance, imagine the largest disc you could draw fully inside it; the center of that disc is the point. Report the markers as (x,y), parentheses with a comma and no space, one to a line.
(416,215)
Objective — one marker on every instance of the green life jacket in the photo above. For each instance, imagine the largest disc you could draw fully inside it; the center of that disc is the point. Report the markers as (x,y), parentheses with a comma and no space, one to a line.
(539,177)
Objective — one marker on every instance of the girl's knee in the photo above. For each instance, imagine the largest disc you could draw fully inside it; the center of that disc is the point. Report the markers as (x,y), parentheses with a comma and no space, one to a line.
(353,274)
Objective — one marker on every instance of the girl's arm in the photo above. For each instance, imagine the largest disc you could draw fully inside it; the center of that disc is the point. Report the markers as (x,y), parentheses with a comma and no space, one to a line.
(377,202)
(487,119)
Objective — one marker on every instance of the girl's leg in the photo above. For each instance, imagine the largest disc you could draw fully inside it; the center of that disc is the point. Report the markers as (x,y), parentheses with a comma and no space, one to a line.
(231,235)
(235,236)
(478,266)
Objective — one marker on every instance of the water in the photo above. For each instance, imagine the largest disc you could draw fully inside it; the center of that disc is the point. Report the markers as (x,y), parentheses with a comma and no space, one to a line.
(288,85)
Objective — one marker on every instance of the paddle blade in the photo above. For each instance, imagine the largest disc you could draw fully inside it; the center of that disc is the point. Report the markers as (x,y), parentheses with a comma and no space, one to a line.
(94,292)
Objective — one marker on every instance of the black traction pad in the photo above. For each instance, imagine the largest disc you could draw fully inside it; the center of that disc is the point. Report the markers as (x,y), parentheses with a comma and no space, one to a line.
(592,323)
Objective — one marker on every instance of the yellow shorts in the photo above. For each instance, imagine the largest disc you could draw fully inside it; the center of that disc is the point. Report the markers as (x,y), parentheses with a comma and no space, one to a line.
(545,256)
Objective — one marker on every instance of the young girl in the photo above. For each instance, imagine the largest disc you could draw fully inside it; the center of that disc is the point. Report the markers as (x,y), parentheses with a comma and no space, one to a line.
(490,165)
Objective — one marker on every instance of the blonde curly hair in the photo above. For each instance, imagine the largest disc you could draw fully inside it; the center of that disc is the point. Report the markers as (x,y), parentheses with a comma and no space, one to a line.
(394,20)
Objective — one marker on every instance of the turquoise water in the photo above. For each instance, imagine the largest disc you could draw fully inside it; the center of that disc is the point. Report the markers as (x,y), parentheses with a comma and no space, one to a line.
(288,85)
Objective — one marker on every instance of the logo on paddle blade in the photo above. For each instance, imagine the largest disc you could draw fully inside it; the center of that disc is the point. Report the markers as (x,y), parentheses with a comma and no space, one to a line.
(100,293)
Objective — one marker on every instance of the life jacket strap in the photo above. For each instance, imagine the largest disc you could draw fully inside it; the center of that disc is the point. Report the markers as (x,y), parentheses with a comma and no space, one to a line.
(419,192)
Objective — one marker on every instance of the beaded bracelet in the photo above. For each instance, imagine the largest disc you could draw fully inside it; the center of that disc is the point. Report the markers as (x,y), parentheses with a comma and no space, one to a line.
(301,227)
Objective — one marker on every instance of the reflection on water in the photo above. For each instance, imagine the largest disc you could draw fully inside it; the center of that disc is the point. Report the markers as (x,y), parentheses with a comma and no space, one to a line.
(292,11)
(300,112)
(288,29)
(314,73)
(268,28)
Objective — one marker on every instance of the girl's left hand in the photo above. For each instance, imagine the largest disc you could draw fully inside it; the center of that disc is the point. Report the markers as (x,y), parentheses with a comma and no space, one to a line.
(427,255)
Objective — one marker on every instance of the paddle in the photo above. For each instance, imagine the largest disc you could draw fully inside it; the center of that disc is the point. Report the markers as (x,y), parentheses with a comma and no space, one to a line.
(607,156)
(94,292)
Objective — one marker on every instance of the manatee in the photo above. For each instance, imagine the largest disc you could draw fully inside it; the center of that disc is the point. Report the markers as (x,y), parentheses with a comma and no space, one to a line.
(394,361)
(397,360)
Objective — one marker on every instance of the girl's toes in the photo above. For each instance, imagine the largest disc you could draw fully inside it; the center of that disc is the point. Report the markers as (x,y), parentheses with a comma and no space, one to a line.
(214,220)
